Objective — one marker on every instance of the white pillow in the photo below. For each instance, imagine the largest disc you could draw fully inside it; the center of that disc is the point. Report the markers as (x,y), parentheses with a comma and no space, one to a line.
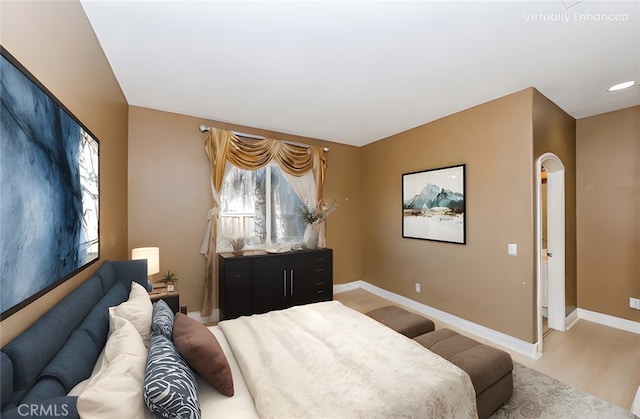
(137,309)
(116,390)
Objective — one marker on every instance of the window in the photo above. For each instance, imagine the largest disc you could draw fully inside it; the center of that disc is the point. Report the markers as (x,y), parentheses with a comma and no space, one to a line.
(259,205)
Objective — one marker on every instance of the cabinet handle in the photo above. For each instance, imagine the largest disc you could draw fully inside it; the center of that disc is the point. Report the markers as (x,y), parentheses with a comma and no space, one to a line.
(320,292)
(291,281)
(319,283)
(284,283)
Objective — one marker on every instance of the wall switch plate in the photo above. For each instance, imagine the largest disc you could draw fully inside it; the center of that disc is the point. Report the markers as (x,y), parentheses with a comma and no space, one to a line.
(417,287)
(512,249)
(634,303)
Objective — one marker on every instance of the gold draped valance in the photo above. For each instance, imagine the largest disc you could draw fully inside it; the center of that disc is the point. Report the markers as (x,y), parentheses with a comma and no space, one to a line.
(223,145)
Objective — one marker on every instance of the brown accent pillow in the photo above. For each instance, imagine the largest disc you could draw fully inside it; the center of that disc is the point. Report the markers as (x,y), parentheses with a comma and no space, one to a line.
(200,348)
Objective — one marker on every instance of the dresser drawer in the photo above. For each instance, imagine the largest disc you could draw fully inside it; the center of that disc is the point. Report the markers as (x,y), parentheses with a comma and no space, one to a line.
(238,275)
(323,263)
(324,290)
(238,270)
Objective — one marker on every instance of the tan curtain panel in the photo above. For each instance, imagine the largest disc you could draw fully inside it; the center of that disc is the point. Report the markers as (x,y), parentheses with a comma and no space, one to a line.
(216,145)
(221,146)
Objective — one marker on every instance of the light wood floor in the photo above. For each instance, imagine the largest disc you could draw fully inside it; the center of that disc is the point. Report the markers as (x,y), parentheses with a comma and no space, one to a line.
(599,360)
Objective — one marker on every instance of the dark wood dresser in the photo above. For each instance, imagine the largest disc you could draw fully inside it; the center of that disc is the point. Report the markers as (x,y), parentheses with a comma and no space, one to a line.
(257,282)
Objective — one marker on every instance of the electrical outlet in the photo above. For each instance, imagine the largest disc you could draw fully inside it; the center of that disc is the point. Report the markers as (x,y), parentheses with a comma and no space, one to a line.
(634,303)
(417,287)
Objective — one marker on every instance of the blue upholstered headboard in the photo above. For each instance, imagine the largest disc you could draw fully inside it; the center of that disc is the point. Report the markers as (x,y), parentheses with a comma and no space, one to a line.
(41,365)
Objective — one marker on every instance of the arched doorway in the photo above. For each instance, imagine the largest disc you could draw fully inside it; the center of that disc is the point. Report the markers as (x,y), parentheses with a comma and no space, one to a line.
(550,244)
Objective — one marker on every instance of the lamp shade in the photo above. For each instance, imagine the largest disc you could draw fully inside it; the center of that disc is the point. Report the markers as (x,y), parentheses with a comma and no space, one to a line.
(151,254)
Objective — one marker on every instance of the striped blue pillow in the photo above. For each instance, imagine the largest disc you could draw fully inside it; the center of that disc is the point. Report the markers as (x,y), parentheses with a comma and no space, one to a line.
(162,319)
(170,387)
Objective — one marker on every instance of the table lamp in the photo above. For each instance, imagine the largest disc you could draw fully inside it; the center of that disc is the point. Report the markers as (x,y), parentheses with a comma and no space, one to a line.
(152,255)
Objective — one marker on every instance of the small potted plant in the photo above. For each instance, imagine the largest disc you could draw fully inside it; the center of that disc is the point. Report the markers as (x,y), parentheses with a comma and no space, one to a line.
(168,279)
(237,244)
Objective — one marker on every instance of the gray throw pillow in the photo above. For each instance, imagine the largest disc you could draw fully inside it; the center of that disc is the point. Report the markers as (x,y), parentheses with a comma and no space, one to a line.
(170,387)
(162,319)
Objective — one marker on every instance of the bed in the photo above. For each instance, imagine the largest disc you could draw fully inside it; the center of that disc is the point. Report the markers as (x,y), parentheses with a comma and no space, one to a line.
(326,360)
(319,360)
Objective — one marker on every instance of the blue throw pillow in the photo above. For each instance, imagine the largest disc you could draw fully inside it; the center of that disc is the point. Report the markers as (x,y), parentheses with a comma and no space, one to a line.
(170,387)
(162,319)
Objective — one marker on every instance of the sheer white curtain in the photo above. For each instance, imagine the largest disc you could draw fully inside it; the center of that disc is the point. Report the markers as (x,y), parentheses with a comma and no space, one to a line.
(306,188)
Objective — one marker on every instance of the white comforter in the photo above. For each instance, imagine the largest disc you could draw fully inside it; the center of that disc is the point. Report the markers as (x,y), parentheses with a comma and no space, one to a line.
(325,360)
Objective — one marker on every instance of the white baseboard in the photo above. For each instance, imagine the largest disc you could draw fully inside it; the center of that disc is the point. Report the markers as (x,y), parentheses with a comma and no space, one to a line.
(338,288)
(635,406)
(607,320)
(214,317)
(509,342)
(571,319)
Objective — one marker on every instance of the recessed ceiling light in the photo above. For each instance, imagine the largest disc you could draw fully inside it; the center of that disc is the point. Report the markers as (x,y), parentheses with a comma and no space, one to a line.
(621,86)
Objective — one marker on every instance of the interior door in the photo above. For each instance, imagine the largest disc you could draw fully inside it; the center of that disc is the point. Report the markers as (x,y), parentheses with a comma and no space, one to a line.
(555,240)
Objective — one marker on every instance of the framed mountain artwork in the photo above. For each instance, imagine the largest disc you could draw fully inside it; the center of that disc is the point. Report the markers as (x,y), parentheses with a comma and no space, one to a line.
(49,178)
(433,205)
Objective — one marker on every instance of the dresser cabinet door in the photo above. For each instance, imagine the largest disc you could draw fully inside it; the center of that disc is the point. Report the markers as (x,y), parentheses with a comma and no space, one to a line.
(235,288)
(283,281)
(270,283)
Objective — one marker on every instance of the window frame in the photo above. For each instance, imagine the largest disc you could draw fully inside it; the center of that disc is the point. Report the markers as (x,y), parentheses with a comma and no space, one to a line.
(222,242)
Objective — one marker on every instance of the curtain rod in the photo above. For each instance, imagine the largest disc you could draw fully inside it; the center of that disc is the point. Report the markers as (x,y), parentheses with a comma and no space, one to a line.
(204,128)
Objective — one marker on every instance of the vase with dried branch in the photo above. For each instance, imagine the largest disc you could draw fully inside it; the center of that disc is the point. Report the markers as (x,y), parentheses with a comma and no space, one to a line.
(314,216)
(237,244)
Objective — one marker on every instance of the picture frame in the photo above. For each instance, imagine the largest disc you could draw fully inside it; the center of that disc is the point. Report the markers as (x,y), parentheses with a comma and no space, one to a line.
(434,205)
(50,182)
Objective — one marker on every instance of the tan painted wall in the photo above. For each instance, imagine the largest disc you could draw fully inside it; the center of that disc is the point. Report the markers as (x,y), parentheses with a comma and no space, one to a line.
(54,41)
(554,131)
(170,195)
(608,196)
(477,281)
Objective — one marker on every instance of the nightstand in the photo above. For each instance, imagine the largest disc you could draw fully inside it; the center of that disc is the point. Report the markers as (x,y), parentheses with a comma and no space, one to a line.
(171,298)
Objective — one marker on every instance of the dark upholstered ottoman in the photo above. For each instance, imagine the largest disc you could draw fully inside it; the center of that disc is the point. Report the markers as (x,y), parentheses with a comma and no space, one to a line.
(489,368)
(402,321)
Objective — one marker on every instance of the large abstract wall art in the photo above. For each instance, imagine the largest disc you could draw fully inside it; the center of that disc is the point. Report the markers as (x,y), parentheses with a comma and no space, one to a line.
(433,205)
(49,190)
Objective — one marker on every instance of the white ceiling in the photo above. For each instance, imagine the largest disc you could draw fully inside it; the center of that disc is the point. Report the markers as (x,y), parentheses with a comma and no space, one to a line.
(354,72)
